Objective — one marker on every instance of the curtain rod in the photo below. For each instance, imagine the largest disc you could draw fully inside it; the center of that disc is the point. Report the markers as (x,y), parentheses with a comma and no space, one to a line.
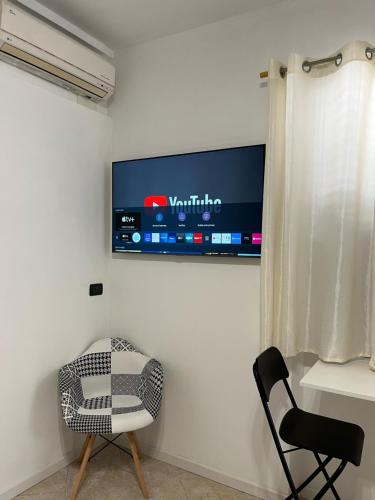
(308,65)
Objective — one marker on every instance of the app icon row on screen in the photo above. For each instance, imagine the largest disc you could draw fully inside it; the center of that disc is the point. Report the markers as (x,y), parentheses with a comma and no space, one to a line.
(214,238)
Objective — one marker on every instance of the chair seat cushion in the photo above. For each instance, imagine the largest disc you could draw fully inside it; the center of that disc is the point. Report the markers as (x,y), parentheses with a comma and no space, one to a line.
(324,435)
(111,414)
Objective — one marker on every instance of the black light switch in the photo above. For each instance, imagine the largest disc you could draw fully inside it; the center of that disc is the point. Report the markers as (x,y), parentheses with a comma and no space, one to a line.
(96,289)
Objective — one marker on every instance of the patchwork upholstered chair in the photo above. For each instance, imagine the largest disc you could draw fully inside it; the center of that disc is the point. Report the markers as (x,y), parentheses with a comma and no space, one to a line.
(110,389)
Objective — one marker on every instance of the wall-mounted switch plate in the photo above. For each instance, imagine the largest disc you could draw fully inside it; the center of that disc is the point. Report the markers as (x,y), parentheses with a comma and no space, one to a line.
(96,289)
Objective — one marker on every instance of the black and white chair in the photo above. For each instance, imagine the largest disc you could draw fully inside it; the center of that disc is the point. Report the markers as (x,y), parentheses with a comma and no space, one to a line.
(110,389)
(306,431)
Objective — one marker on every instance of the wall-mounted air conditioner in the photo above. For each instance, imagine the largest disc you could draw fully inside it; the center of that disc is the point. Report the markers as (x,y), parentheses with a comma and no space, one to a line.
(33,45)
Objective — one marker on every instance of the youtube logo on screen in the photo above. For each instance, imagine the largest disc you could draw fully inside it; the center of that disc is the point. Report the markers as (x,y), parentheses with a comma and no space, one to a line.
(155,204)
(155,201)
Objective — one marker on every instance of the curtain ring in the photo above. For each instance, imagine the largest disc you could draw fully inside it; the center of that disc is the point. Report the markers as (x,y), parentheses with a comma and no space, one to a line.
(338,59)
(306,66)
(369,53)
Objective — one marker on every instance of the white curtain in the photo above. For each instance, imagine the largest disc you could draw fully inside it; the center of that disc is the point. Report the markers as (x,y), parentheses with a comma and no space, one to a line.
(318,220)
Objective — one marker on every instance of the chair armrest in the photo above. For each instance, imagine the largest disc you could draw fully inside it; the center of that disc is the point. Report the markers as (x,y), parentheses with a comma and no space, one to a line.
(70,388)
(151,389)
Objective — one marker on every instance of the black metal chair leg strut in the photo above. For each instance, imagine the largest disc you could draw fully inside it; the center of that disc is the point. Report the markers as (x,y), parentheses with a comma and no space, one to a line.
(310,478)
(331,480)
(333,489)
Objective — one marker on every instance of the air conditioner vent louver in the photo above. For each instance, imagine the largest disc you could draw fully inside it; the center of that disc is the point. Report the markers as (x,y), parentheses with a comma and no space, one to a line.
(52,70)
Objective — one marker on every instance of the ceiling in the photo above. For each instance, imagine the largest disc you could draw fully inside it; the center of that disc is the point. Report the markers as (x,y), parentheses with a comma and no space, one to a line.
(120,23)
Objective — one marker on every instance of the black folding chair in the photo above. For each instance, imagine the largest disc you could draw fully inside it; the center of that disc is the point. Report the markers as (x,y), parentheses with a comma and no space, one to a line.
(306,431)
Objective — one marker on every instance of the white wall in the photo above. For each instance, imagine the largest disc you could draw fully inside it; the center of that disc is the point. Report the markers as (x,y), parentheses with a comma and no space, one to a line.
(201,90)
(53,154)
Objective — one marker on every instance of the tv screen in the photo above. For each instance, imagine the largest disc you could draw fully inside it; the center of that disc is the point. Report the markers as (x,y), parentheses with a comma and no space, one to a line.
(206,203)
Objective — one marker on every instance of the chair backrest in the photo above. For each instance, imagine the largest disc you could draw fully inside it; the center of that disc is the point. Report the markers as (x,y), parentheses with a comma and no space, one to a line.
(269,368)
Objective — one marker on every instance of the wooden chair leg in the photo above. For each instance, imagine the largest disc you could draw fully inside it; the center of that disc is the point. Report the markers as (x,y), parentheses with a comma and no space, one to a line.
(81,455)
(82,469)
(137,464)
(136,442)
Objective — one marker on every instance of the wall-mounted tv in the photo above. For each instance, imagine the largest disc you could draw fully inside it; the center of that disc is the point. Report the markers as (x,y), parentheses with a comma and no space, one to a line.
(206,203)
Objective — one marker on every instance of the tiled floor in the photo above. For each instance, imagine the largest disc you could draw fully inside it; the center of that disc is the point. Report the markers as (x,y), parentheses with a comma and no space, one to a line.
(110,476)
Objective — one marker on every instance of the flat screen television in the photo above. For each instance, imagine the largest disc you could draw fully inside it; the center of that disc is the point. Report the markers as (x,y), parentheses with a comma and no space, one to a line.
(206,203)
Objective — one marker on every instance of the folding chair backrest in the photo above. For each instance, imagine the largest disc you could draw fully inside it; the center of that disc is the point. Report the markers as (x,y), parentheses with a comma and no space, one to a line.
(269,368)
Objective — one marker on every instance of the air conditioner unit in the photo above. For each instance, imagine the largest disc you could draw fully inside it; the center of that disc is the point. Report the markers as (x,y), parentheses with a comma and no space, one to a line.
(32,44)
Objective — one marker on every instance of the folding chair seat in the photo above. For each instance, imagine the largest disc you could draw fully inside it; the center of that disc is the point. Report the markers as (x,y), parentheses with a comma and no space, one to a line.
(325,436)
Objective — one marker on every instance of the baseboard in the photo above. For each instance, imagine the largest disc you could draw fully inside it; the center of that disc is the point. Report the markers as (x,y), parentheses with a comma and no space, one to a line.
(213,474)
(39,476)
